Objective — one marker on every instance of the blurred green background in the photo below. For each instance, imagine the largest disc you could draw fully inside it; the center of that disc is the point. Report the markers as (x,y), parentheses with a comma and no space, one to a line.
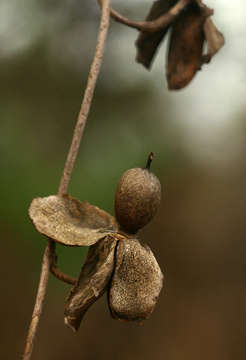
(198,136)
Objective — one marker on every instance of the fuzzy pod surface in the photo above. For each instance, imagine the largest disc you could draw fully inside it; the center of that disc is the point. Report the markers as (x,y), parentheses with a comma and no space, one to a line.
(92,283)
(136,283)
(137,199)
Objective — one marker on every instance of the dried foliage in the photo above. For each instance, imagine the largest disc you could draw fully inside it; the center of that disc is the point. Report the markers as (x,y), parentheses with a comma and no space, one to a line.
(148,43)
(192,30)
(70,221)
(185,47)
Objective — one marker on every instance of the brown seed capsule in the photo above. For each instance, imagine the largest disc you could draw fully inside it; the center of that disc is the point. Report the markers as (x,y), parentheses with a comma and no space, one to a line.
(148,42)
(136,282)
(137,198)
(93,281)
(185,47)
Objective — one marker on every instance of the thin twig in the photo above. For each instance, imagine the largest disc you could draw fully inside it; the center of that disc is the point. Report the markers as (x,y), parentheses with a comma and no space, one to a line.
(38,307)
(66,176)
(150,26)
(62,276)
(86,104)
(57,272)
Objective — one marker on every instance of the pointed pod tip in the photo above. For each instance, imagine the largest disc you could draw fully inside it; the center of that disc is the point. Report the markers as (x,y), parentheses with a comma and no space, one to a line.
(141,59)
(68,323)
(179,81)
(149,160)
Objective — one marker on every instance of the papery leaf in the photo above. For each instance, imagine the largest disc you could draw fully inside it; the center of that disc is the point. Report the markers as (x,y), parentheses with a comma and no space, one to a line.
(185,47)
(136,283)
(93,281)
(70,221)
(147,43)
(214,38)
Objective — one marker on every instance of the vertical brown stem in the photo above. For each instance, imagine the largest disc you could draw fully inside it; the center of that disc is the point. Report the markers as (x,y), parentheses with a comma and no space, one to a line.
(66,176)
(88,96)
(38,307)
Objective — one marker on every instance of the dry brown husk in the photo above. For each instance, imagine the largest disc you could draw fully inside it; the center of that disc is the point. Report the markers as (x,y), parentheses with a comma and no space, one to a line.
(147,43)
(136,283)
(194,40)
(185,47)
(69,221)
(93,281)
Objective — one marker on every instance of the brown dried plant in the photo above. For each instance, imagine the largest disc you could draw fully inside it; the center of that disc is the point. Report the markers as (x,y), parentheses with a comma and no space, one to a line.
(117,262)
(194,38)
(115,253)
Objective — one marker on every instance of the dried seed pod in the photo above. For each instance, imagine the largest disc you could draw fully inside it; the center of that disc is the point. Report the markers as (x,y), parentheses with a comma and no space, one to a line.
(147,43)
(136,283)
(185,47)
(93,281)
(137,198)
(214,39)
(70,221)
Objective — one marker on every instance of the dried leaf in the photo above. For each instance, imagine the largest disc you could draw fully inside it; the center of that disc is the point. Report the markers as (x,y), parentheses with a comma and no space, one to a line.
(136,283)
(147,43)
(93,281)
(70,221)
(214,38)
(185,47)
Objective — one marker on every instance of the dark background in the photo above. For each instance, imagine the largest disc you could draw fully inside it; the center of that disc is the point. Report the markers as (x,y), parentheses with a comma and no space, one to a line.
(198,136)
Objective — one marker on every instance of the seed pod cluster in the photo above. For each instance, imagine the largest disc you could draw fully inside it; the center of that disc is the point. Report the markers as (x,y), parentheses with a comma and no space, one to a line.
(137,279)
(194,39)
(117,263)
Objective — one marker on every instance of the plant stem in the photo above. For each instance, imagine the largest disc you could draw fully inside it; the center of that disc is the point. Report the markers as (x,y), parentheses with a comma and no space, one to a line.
(56,271)
(38,307)
(149,160)
(88,96)
(67,173)
(153,25)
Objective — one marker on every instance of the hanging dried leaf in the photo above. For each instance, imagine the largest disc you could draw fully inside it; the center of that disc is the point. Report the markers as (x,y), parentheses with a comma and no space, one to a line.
(93,281)
(214,38)
(185,47)
(136,283)
(147,43)
(70,221)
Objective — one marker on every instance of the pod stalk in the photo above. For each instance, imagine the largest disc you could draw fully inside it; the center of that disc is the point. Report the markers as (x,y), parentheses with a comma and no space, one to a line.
(149,160)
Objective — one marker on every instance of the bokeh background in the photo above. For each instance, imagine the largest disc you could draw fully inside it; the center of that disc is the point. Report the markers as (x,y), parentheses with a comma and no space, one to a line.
(198,136)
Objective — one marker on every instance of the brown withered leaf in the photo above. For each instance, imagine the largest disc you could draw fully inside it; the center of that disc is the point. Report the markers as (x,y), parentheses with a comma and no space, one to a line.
(185,47)
(93,281)
(70,221)
(136,283)
(214,38)
(147,43)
